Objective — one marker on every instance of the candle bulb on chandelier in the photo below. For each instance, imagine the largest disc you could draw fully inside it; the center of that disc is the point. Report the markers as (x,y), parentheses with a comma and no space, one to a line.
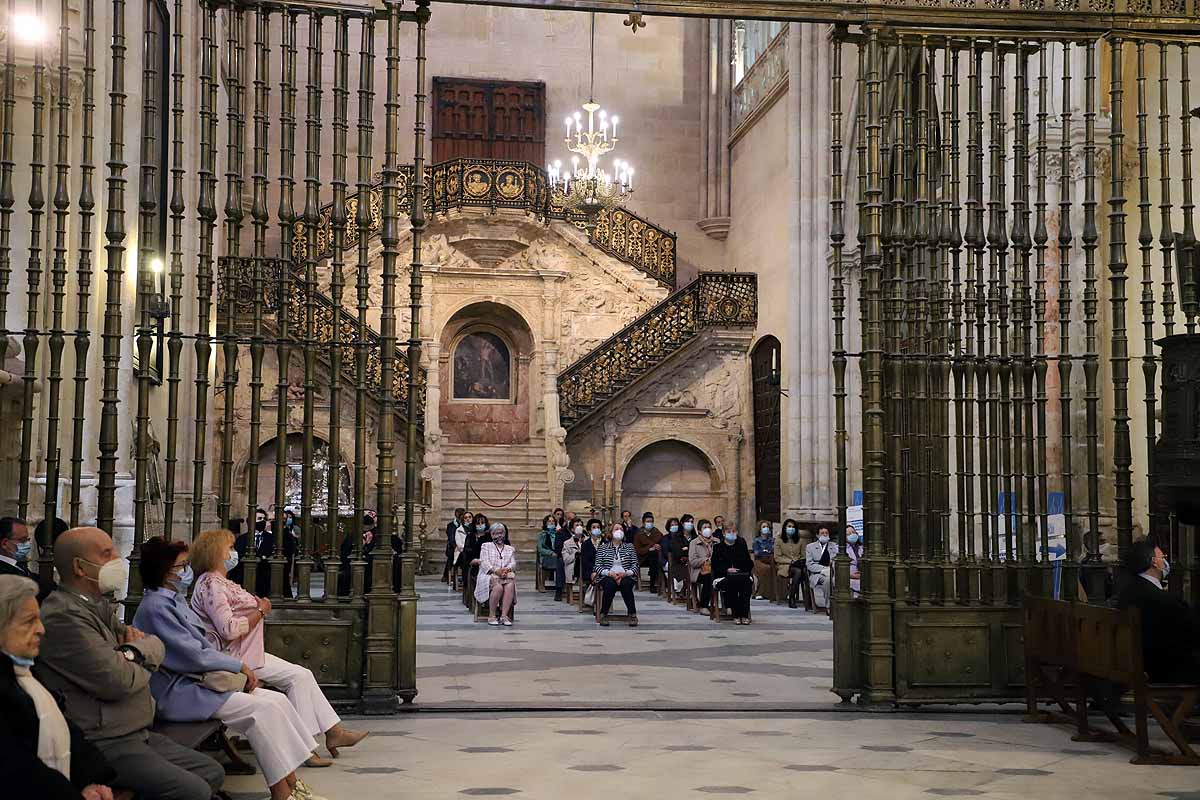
(568,123)
(615,120)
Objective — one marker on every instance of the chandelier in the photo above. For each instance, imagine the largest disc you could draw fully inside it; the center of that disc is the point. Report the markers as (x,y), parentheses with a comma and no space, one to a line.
(585,187)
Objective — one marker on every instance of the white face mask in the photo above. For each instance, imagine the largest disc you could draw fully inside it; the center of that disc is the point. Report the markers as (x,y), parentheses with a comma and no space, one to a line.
(618,535)
(706,533)
(595,533)
(231,560)
(579,529)
(730,537)
(113,576)
(823,538)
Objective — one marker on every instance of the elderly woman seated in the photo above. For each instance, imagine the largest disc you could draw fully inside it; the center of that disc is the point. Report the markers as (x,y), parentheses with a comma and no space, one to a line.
(42,754)
(234,619)
(497,582)
(198,682)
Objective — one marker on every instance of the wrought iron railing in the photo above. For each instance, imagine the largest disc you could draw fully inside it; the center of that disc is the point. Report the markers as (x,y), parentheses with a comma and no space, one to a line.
(238,276)
(485,183)
(713,300)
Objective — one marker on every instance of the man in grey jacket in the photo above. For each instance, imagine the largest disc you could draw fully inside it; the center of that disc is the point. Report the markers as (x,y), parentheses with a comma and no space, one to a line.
(819,557)
(102,668)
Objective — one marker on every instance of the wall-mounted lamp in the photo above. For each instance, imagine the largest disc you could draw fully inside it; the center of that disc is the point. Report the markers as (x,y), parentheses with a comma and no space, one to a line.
(29,28)
(157,306)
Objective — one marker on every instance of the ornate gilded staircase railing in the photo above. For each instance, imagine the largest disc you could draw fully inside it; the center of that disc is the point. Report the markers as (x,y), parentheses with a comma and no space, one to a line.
(237,276)
(713,300)
(485,183)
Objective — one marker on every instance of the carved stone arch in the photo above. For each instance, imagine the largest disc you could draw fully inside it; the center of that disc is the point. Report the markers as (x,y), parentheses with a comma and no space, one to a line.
(456,312)
(665,475)
(717,471)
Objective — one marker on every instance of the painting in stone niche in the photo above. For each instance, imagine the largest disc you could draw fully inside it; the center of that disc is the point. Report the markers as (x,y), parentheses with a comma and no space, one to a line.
(482,368)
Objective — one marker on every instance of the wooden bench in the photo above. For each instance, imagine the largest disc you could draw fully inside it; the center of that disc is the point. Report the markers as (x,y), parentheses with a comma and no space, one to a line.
(1075,652)
(209,734)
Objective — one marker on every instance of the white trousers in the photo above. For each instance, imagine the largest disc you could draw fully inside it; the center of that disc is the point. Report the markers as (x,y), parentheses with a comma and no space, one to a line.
(274,729)
(300,686)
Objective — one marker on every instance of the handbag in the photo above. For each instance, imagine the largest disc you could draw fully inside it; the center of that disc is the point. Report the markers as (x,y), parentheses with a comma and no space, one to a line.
(221,681)
(706,568)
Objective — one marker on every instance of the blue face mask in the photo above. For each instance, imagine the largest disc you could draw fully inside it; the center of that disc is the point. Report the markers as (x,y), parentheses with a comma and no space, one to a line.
(674,529)
(852,538)
(730,537)
(184,580)
(1166,570)
(551,527)
(21,661)
(687,526)
(24,549)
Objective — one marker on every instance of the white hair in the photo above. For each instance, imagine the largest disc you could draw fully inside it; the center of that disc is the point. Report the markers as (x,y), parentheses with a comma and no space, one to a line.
(14,589)
(497,527)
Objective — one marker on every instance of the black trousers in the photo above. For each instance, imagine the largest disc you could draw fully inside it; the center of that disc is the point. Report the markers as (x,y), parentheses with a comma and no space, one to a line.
(795,575)
(560,575)
(654,561)
(609,588)
(449,561)
(736,590)
(704,589)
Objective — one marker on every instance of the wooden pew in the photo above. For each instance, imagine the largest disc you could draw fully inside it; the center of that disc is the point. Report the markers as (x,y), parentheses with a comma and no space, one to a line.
(208,734)
(1074,652)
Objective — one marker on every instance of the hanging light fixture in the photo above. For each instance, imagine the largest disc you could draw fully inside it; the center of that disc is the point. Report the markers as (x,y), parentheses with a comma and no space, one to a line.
(585,187)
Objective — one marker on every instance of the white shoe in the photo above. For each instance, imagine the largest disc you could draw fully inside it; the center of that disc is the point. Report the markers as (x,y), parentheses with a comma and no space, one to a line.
(493,621)
(302,791)
(506,622)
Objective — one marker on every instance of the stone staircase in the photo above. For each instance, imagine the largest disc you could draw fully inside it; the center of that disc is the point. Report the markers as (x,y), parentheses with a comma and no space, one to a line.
(496,472)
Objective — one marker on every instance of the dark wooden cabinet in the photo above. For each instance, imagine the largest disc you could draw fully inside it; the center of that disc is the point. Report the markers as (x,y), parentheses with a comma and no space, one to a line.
(489,119)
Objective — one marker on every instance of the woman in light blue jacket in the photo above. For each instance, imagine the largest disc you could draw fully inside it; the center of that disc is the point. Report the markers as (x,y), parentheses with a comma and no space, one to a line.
(181,686)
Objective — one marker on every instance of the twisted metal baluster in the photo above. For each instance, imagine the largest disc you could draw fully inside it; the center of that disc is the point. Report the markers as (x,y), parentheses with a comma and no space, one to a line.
(950,242)
(1066,242)
(289,222)
(312,219)
(83,271)
(1186,241)
(916,237)
(338,220)
(1091,359)
(976,263)
(363,221)
(1041,239)
(1166,234)
(114,233)
(1146,245)
(234,213)
(1000,454)
(178,205)
(7,196)
(62,209)
(1024,411)
(206,212)
(837,237)
(33,268)
(1117,268)
(260,217)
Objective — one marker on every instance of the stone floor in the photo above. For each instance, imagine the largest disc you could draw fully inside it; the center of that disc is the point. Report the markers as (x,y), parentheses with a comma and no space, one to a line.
(680,707)
(637,755)
(554,657)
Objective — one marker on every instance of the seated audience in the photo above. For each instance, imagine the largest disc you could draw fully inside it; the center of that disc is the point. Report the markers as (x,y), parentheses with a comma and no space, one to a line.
(1170,628)
(102,670)
(689,526)
(854,549)
(561,537)
(648,544)
(570,553)
(789,560)
(677,547)
(475,539)
(700,564)
(818,558)
(627,525)
(733,570)
(718,527)
(16,547)
(616,570)
(587,559)
(763,548)
(547,560)
(452,530)
(497,581)
(234,621)
(42,755)
(196,681)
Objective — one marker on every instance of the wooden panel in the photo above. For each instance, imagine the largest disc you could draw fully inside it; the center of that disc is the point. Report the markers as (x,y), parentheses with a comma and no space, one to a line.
(765,361)
(489,119)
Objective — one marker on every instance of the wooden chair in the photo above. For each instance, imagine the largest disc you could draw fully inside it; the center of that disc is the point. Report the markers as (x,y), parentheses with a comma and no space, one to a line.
(1073,649)
(717,604)
(598,603)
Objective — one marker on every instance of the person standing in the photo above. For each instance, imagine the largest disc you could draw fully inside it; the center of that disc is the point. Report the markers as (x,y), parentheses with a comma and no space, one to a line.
(818,558)
(16,547)
(732,569)
(452,530)
(648,544)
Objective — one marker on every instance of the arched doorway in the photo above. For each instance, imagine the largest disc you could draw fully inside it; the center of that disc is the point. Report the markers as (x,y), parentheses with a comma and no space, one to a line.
(484,367)
(764,365)
(669,478)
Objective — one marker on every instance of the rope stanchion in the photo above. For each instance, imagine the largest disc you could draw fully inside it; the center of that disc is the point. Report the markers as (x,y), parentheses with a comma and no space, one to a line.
(520,492)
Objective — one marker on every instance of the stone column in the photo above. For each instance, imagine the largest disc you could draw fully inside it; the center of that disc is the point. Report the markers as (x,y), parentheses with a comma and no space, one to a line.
(433,428)
(610,470)
(809,490)
(715,128)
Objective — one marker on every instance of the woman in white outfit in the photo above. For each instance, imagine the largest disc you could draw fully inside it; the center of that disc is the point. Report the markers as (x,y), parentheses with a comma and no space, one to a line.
(234,619)
(198,682)
(497,581)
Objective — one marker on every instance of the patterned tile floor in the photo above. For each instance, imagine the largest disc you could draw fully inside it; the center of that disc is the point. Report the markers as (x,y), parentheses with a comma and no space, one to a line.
(662,755)
(555,657)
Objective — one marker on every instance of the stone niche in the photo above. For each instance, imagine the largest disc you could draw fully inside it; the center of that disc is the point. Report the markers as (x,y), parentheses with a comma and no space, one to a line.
(486,353)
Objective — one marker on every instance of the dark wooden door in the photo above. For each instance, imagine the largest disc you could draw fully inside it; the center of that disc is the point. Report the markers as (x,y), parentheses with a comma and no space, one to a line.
(489,119)
(765,361)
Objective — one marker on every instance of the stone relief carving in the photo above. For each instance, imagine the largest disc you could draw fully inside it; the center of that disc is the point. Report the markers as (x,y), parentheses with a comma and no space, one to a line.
(676,397)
